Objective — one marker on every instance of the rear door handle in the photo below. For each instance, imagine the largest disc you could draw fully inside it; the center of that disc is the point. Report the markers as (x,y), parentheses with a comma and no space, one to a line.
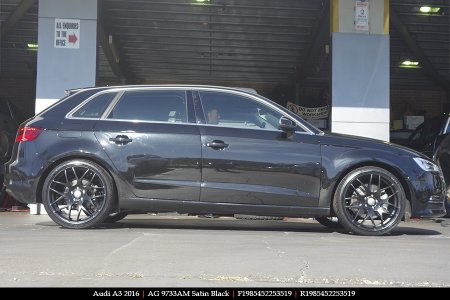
(216,144)
(121,140)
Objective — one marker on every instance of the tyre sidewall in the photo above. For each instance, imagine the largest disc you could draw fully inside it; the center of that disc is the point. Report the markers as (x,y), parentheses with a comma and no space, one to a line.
(339,202)
(106,208)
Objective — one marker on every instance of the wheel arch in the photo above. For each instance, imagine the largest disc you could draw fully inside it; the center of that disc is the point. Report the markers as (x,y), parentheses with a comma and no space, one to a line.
(378,164)
(60,160)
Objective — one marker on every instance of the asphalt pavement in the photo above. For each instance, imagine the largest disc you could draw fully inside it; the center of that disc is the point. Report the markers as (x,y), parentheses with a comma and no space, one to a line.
(186,251)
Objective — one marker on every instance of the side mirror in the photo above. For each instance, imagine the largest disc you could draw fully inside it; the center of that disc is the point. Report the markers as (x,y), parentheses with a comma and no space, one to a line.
(287,125)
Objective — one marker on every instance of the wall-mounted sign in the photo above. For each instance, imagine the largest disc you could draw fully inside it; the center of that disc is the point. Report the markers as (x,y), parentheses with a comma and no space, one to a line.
(311,113)
(362,15)
(67,33)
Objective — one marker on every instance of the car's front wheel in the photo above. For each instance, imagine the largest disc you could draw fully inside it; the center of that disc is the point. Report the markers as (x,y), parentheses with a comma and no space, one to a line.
(369,201)
(78,194)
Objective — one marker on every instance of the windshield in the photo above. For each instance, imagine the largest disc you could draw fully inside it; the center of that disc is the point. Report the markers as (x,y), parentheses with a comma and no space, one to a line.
(296,117)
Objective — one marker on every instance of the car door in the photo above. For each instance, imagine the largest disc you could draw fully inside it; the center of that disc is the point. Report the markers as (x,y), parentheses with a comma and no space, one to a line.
(246,159)
(155,148)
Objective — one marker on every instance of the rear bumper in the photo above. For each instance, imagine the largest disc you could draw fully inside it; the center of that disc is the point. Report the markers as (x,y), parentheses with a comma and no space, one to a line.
(20,185)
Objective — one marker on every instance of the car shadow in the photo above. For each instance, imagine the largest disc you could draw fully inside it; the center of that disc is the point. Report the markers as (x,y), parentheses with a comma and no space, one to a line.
(193,223)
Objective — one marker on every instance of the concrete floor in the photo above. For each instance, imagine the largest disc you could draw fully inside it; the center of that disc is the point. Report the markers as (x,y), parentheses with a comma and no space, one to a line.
(185,251)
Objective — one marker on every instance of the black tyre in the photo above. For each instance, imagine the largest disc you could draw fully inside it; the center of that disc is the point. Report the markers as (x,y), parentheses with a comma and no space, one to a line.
(78,194)
(330,222)
(115,217)
(369,201)
(251,217)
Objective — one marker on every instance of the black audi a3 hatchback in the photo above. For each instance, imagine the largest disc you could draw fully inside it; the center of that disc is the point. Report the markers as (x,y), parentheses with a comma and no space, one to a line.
(102,152)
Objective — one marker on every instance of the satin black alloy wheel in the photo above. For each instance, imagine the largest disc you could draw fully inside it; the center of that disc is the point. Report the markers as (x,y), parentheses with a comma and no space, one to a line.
(330,222)
(78,194)
(369,201)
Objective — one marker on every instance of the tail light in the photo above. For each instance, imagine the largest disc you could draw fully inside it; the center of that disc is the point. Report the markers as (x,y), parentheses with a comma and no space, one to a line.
(26,134)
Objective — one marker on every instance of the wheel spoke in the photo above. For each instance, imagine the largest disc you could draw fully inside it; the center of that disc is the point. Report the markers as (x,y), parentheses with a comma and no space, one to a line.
(382,190)
(381,218)
(95,187)
(61,197)
(390,196)
(84,174)
(357,214)
(75,173)
(79,211)
(371,219)
(363,220)
(61,208)
(389,214)
(353,206)
(362,185)
(70,211)
(390,204)
(92,179)
(59,182)
(59,193)
(379,187)
(85,210)
(67,178)
(92,203)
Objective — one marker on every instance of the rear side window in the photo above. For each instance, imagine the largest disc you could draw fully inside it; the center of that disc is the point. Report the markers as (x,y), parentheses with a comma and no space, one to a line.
(159,106)
(95,107)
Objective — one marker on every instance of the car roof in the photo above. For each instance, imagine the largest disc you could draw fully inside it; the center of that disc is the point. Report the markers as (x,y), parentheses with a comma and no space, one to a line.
(186,86)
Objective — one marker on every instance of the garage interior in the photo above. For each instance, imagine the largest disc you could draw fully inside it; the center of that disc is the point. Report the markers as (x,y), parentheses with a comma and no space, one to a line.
(279,48)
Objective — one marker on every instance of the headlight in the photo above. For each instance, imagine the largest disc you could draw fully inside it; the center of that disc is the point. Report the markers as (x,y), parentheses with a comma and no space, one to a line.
(426,165)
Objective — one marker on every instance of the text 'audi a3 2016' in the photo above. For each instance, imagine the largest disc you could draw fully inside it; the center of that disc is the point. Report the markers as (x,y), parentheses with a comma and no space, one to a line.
(103,152)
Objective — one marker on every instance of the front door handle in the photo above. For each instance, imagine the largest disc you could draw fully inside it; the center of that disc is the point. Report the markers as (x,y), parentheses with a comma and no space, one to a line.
(121,140)
(216,144)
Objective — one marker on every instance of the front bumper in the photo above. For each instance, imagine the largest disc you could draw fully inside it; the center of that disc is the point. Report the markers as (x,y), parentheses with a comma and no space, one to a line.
(429,198)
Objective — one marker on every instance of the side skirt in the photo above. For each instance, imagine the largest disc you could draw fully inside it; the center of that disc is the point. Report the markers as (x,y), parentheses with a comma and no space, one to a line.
(196,207)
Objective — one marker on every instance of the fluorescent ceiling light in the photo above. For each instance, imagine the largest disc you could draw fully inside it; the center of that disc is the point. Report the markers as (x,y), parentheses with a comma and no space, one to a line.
(409,64)
(32,46)
(429,9)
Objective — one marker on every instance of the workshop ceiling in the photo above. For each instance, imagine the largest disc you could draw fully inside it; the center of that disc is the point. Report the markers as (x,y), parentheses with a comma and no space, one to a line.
(236,41)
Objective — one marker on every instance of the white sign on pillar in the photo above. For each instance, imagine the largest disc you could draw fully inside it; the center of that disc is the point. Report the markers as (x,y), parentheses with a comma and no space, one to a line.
(362,15)
(67,33)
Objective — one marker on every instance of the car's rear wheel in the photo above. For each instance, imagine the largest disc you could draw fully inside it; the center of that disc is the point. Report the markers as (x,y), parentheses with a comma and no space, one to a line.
(330,222)
(78,194)
(369,201)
